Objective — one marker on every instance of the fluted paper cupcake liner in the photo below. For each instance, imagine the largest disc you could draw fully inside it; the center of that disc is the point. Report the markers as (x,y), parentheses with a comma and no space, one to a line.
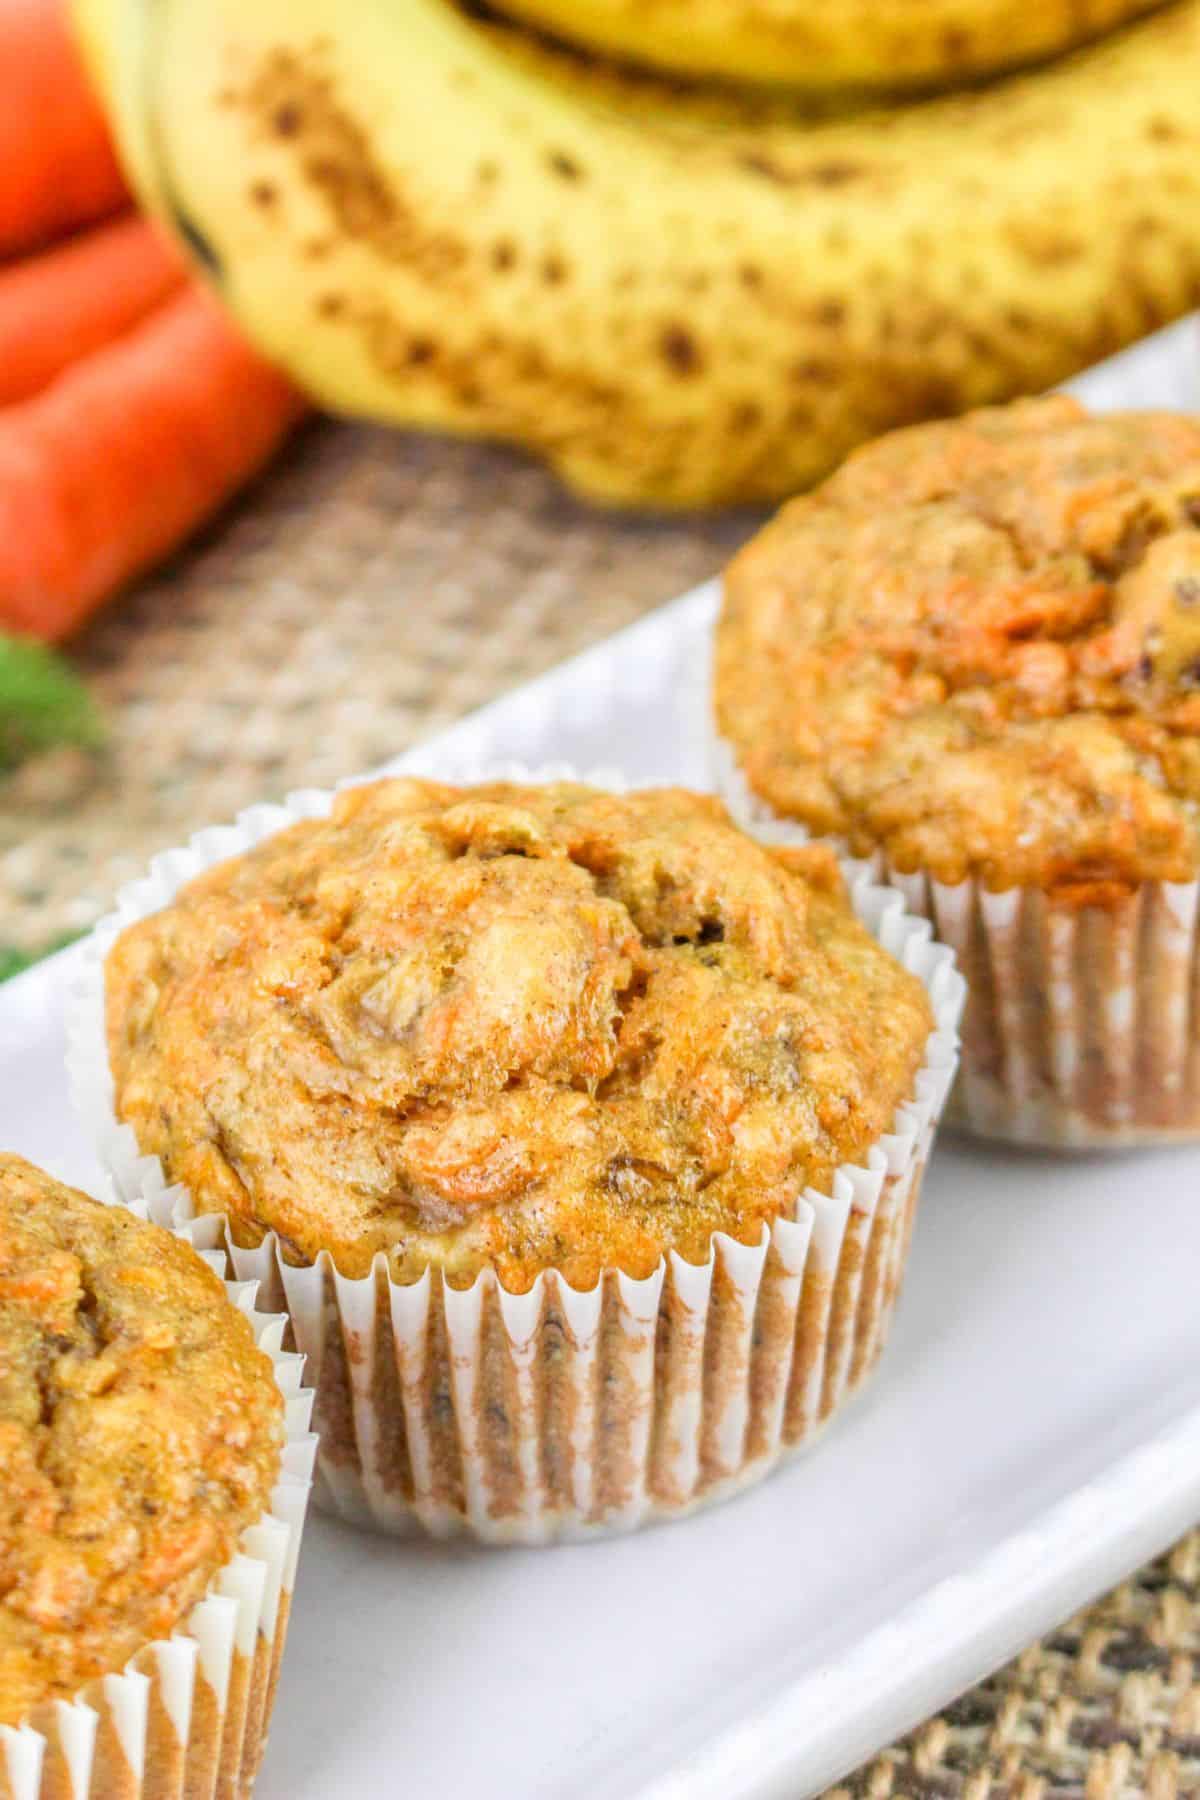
(558,1412)
(1080,1028)
(187,1717)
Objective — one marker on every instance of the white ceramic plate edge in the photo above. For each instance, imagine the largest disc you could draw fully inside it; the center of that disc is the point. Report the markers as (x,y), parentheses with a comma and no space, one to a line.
(957,1632)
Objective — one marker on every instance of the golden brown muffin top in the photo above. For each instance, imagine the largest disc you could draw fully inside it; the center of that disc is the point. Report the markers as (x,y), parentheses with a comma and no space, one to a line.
(524,1027)
(978,646)
(140,1432)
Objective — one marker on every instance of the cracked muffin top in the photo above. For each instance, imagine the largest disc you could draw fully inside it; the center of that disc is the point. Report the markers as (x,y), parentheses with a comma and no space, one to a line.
(978,646)
(140,1432)
(517,1027)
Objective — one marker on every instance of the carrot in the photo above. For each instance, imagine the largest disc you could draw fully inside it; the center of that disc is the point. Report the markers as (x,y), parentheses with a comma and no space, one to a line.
(178,1550)
(59,306)
(57,167)
(32,1284)
(126,453)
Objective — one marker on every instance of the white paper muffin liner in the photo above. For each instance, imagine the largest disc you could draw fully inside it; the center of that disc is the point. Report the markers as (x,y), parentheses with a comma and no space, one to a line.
(1080,1030)
(560,1413)
(187,1717)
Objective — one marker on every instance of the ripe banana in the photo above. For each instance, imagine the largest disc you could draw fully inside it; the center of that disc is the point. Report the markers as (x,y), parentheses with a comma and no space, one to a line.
(830,42)
(674,299)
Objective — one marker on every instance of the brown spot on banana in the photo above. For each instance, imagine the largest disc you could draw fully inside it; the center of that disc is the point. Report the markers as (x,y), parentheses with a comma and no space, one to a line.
(506,362)
(291,97)
(564,166)
(286,119)
(679,350)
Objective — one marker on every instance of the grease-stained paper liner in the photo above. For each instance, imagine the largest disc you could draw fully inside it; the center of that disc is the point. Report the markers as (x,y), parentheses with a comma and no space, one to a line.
(558,1413)
(1080,1029)
(187,1717)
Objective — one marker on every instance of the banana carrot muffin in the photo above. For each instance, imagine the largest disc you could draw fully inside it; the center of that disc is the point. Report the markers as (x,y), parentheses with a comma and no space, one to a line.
(974,655)
(516,1028)
(141,1432)
(510,1030)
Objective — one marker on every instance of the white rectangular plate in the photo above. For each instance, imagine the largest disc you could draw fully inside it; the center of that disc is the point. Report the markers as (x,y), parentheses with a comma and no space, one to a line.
(1033,1435)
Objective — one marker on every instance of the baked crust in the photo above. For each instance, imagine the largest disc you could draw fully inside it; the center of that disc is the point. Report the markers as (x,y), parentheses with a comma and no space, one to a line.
(140,1433)
(977,647)
(506,1026)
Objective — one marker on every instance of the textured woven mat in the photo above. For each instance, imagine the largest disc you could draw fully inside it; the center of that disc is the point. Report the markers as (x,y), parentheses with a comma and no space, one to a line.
(369,591)
(1106,1708)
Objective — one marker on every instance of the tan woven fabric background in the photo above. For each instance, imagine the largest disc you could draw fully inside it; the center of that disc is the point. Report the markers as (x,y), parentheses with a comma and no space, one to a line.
(369,591)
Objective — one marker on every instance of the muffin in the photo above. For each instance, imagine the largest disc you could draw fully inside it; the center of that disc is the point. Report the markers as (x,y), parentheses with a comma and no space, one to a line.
(143,1437)
(580,1132)
(973,658)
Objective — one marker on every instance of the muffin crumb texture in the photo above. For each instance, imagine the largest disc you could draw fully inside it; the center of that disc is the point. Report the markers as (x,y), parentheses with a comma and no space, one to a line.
(977,646)
(140,1433)
(512,1026)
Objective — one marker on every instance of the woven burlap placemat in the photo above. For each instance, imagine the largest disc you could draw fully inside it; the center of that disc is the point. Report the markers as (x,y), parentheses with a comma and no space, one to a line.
(370,590)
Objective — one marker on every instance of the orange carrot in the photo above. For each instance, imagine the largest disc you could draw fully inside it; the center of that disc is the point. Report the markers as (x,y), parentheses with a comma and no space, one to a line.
(126,453)
(57,167)
(67,302)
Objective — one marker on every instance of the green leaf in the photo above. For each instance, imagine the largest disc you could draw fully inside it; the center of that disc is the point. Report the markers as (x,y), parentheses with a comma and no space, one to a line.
(14,961)
(11,962)
(42,702)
